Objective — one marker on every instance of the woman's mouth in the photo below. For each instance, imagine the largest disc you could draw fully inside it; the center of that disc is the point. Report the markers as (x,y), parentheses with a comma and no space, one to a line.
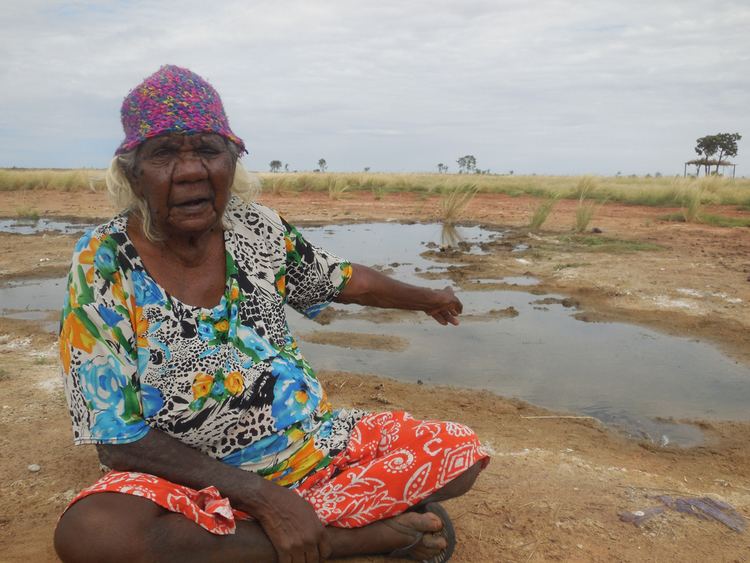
(193,204)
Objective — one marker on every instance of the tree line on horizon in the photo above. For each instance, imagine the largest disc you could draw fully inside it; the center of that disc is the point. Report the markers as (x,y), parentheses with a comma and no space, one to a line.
(466,165)
(720,145)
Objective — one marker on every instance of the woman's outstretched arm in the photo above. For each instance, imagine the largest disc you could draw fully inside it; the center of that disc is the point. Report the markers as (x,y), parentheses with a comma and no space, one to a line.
(370,287)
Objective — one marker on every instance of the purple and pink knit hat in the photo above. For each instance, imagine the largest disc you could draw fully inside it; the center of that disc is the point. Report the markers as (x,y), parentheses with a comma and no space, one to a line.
(173,100)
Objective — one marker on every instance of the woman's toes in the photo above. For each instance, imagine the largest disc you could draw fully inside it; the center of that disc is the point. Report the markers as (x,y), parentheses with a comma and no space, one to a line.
(412,524)
(434,542)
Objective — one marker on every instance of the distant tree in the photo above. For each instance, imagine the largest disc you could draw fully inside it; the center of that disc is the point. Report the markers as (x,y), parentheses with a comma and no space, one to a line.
(367,168)
(467,164)
(725,144)
(322,164)
(442,168)
(275,165)
(510,173)
(286,167)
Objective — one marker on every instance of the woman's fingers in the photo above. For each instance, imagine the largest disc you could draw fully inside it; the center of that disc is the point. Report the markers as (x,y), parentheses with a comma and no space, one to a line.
(445,317)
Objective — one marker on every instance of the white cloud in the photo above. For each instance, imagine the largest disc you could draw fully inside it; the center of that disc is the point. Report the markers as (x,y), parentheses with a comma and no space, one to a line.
(551,86)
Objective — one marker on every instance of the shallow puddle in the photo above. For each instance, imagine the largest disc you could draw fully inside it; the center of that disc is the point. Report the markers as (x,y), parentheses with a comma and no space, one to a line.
(626,376)
(36,226)
(33,300)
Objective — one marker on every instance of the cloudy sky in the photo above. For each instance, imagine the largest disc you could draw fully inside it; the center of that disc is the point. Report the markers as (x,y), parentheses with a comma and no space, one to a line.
(550,86)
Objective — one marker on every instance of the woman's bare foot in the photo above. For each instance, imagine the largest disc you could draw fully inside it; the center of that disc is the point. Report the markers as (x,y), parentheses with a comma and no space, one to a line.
(413,535)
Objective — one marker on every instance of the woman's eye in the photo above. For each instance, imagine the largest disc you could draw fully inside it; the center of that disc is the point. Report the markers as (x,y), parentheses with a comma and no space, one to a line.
(208,151)
(162,152)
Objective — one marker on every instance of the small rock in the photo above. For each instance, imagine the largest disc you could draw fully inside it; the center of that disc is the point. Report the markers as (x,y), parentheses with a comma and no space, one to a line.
(34,467)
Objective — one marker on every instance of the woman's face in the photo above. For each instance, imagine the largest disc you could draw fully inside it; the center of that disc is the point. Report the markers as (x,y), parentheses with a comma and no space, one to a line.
(185,181)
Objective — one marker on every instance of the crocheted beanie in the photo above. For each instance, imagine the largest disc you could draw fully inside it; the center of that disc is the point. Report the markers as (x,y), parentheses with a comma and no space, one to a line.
(173,100)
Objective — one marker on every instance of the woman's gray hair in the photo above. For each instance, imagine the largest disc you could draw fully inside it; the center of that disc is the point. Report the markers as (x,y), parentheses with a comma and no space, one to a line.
(122,168)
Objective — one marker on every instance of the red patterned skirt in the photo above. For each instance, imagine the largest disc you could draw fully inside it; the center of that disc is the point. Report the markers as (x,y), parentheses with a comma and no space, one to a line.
(391,463)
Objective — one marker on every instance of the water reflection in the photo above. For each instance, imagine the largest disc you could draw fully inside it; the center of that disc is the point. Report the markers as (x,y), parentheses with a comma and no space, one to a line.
(449,236)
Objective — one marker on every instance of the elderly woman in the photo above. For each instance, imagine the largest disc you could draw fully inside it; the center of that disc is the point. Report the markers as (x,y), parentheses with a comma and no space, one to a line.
(179,365)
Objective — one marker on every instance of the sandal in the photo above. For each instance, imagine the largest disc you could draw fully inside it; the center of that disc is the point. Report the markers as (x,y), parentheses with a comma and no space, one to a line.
(447,531)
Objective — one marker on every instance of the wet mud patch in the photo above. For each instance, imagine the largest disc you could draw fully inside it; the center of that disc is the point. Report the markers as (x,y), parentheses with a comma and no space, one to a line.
(566,302)
(361,341)
(25,256)
(369,314)
(491,315)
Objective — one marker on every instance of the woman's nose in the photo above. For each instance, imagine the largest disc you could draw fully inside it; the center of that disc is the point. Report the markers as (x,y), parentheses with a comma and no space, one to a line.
(189,167)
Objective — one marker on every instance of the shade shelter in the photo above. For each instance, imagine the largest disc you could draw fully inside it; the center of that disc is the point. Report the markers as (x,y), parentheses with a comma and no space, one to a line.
(707,164)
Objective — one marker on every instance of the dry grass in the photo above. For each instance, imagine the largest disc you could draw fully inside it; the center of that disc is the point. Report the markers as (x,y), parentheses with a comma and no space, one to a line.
(586,191)
(27,213)
(63,180)
(692,204)
(584,213)
(664,191)
(658,192)
(454,200)
(542,211)
(336,188)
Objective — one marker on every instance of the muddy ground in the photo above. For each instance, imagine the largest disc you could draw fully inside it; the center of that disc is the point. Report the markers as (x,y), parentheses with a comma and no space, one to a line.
(556,485)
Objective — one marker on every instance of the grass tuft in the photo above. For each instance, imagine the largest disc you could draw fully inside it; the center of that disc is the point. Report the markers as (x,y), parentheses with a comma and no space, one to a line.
(336,188)
(584,213)
(27,213)
(378,192)
(454,200)
(542,211)
(586,188)
(692,204)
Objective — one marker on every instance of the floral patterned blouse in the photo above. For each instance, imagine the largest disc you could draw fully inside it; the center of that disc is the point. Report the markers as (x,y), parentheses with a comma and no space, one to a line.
(228,381)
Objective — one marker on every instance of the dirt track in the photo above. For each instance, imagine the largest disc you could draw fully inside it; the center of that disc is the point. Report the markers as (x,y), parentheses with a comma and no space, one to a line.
(556,485)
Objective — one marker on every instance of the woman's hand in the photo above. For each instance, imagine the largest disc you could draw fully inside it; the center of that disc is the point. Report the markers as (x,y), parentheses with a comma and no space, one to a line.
(292,526)
(447,307)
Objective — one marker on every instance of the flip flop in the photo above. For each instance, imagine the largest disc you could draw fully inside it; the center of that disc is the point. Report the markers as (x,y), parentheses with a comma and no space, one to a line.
(447,531)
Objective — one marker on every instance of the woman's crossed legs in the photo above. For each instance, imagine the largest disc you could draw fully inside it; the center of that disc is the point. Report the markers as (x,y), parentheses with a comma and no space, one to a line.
(116,527)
